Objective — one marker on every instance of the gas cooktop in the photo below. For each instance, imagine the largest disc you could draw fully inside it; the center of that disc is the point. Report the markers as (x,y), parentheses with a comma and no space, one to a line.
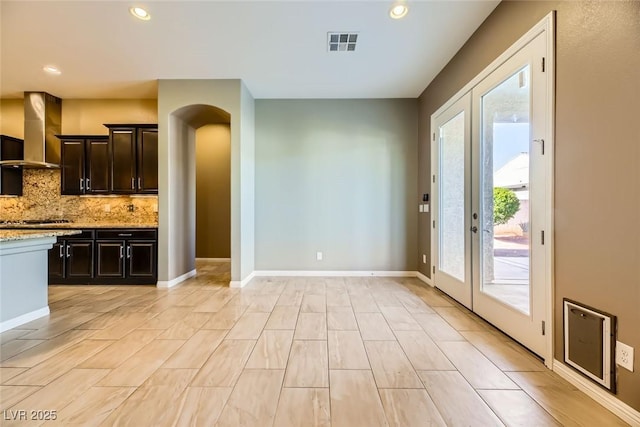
(34,221)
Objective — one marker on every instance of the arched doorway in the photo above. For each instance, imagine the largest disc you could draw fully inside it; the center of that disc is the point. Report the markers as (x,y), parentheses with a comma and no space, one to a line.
(196,129)
(183,107)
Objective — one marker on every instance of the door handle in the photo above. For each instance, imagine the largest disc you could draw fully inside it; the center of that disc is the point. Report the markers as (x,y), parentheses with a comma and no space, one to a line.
(474,229)
(139,184)
(68,252)
(121,252)
(128,251)
(133,183)
(81,184)
(61,251)
(88,185)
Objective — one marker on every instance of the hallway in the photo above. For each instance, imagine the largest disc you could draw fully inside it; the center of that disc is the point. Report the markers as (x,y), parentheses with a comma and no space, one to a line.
(336,351)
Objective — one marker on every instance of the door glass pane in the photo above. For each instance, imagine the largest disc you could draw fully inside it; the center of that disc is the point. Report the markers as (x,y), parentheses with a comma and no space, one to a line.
(451,215)
(505,136)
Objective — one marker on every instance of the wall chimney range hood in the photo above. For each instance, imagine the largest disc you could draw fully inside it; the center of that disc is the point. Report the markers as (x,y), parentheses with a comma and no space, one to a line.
(42,122)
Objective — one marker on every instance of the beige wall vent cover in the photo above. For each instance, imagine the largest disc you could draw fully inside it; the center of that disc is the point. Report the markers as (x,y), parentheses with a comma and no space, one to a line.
(341,42)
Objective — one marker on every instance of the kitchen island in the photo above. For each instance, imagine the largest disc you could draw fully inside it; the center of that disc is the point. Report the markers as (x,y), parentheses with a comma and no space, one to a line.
(23,274)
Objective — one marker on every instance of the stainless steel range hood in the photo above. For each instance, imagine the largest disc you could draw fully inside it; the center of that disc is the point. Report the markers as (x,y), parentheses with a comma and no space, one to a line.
(42,122)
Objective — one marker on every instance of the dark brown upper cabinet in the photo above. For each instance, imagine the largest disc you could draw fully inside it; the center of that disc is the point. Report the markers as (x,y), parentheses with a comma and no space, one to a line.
(85,164)
(11,176)
(134,158)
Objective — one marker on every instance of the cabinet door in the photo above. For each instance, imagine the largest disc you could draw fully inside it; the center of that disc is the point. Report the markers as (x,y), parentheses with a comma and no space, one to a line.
(11,181)
(141,257)
(56,262)
(72,165)
(97,166)
(123,165)
(147,151)
(79,259)
(110,259)
(11,177)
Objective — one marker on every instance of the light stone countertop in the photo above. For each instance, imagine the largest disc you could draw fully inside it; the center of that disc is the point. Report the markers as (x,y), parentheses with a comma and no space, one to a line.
(78,225)
(13,235)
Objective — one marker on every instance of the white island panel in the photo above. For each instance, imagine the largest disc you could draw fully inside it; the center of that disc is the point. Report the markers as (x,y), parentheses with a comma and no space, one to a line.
(23,275)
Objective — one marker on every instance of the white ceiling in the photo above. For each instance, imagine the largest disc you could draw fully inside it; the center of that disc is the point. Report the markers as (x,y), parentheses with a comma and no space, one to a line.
(277,48)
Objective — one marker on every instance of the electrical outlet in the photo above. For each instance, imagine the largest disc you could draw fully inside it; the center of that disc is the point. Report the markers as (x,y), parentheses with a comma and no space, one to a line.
(624,355)
(107,208)
(424,259)
(155,207)
(318,256)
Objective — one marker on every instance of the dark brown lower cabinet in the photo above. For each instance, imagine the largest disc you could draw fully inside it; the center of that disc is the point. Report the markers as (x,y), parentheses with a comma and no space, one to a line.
(71,259)
(114,257)
(127,256)
(141,259)
(110,257)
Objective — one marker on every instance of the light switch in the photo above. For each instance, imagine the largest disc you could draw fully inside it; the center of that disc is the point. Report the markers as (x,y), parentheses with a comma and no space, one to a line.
(426,207)
(420,208)
(318,256)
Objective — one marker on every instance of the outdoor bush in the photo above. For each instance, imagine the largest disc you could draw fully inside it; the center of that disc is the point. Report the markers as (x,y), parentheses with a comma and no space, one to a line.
(505,205)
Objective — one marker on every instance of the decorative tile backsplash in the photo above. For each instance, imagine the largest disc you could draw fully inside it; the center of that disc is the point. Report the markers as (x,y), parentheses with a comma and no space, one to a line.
(41,199)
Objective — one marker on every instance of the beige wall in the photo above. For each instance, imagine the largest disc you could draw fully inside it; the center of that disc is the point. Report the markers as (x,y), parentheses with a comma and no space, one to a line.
(597,183)
(337,176)
(213,191)
(87,116)
(83,116)
(12,117)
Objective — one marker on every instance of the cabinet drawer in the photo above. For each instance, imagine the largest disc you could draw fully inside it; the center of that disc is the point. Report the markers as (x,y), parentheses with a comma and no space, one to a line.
(127,234)
(86,234)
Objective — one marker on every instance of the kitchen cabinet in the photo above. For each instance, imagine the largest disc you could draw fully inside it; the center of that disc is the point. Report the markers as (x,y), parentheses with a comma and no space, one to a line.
(85,164)
(106,256)
(71,260)
(127,254)
(11,176)
(134,158)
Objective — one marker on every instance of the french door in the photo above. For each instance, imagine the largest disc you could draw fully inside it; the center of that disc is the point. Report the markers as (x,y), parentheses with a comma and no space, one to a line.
(452,201)
(492,196)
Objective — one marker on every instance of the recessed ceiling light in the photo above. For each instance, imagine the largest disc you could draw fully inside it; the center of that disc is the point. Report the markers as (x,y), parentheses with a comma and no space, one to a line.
(398,10)
(140,13)
(52,69)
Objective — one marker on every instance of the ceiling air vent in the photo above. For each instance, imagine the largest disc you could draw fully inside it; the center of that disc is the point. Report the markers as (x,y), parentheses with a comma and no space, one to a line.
(342,42)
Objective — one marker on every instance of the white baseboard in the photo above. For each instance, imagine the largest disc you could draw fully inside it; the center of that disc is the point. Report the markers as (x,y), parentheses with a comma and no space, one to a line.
(242,283)
(424,278)
(214,259)
(342,273)
(25,318)
(609,401)
(171,283)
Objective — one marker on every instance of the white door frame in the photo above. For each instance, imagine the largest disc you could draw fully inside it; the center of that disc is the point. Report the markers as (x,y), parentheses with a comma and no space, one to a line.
(546,26)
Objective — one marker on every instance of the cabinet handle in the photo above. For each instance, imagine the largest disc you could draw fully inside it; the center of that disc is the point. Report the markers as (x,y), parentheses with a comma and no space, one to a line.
(68,253)
(128,251)
(81,184)
(121,252)
(61,251)
(133,183)
(125,234)
(139,184)
(88,186)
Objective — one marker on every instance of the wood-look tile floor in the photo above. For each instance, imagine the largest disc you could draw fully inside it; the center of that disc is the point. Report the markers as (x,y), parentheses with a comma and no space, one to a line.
(282,351)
